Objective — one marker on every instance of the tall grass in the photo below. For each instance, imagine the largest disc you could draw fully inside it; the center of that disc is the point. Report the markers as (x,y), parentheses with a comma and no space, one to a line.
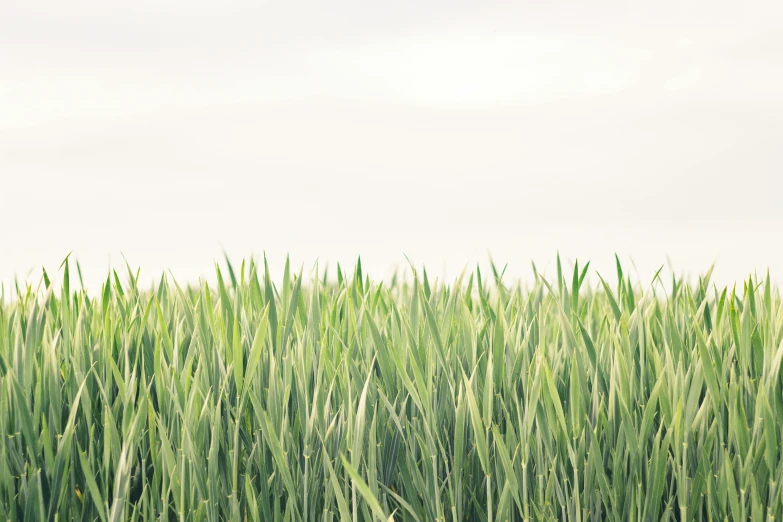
(410,400)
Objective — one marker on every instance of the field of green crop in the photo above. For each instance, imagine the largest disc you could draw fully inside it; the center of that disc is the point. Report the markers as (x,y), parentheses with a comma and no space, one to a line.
(356,399)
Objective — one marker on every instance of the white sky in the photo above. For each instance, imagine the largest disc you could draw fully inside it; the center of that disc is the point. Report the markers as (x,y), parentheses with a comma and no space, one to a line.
(170,130)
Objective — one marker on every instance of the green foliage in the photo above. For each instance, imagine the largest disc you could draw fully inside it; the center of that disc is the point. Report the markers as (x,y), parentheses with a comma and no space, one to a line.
(407,400)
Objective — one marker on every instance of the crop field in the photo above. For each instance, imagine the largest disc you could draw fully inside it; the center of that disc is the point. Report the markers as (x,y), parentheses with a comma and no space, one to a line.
(306,398)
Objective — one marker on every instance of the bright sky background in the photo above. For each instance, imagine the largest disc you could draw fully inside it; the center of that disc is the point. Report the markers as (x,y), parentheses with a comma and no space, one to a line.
(170,130)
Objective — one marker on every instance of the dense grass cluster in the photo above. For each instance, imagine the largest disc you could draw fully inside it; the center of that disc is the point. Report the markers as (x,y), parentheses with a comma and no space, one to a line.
(406,400)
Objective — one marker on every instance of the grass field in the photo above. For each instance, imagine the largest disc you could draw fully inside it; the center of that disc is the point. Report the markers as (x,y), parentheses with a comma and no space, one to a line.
(405,400)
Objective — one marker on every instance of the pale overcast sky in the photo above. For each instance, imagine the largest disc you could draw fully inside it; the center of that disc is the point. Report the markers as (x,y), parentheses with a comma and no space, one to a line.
(169,130)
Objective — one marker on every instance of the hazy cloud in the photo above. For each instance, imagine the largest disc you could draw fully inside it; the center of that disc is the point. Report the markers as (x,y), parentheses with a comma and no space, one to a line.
(169,130)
